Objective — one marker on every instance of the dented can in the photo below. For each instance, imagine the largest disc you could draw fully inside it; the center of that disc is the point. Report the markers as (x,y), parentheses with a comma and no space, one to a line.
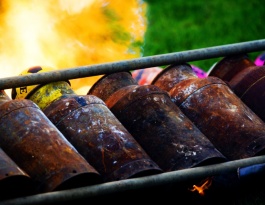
(216,110)
(148,113)
(246,80)
(94,131)
(38,147)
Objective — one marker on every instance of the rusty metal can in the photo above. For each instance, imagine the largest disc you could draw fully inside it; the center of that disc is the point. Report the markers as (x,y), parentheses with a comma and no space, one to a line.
(148,113)
(14,182)
(230,66)
(40,149)
(100,137)
(245,79)
(216,110)
(94,131)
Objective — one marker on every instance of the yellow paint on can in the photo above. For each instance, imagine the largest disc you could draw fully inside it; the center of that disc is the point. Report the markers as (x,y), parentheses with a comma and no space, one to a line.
(51,92)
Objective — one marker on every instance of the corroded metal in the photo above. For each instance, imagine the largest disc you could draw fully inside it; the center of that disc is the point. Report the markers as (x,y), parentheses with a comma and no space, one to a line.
(231,126)
(229,66)
(110,84)
(127,65)
(166,134)
(94,131)
(169,178)
(14,182)
(147,182)
(38,147)
(100,137)
(246,80)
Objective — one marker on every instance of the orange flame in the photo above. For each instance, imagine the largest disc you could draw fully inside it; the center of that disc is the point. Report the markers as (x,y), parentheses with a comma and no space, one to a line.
(205,185)
(66,34)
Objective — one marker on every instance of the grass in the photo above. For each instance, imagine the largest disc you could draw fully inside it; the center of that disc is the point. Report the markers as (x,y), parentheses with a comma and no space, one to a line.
(180,25)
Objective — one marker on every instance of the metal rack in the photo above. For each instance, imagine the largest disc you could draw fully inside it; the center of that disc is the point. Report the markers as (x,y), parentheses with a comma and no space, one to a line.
(134,64)
(160,184)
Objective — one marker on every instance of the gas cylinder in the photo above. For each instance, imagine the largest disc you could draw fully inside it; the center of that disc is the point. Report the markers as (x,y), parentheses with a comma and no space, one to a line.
(230,66)
(92,128)
(216,110)
(40,149)
(166,134)
(246,79)
(14,182)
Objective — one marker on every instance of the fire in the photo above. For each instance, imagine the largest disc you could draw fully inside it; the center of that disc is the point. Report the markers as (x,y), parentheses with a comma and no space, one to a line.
(204,185)
(66,34)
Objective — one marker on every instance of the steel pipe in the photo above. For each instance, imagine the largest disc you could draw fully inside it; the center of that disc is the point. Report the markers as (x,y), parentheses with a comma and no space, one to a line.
(133,184)
(134,64)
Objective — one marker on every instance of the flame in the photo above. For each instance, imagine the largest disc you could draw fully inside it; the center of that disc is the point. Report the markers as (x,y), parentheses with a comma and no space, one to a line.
(205,185)
(66,34)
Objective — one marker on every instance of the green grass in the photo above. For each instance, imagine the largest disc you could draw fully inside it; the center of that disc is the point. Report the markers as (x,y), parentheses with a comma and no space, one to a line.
(180,25)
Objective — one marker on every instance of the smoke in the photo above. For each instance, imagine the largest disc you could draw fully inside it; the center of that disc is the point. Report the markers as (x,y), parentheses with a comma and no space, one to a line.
(66,34)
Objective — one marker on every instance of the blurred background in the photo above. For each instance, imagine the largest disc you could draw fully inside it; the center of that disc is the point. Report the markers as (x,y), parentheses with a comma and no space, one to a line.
(180,25)
(66,34)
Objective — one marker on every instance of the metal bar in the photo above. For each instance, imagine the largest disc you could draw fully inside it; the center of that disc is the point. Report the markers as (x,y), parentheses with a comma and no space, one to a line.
(134,64)
(133,184)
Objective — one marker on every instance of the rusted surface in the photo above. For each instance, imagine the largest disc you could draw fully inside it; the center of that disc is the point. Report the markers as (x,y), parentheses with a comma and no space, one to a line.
(167,80)
(245,79)
(105,86)
(231,126)
(9,168)
(99,136)
(254,95)
(187,88)
(37,146)
(229,66)
(166,134)
(177,177)
(14,182)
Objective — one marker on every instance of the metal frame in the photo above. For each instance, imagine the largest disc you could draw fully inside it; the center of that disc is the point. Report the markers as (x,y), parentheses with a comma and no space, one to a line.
(142,182)
(134,64)
(132,184)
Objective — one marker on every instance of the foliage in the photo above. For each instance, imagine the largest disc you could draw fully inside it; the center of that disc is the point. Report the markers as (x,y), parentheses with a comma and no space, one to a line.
(180,25)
